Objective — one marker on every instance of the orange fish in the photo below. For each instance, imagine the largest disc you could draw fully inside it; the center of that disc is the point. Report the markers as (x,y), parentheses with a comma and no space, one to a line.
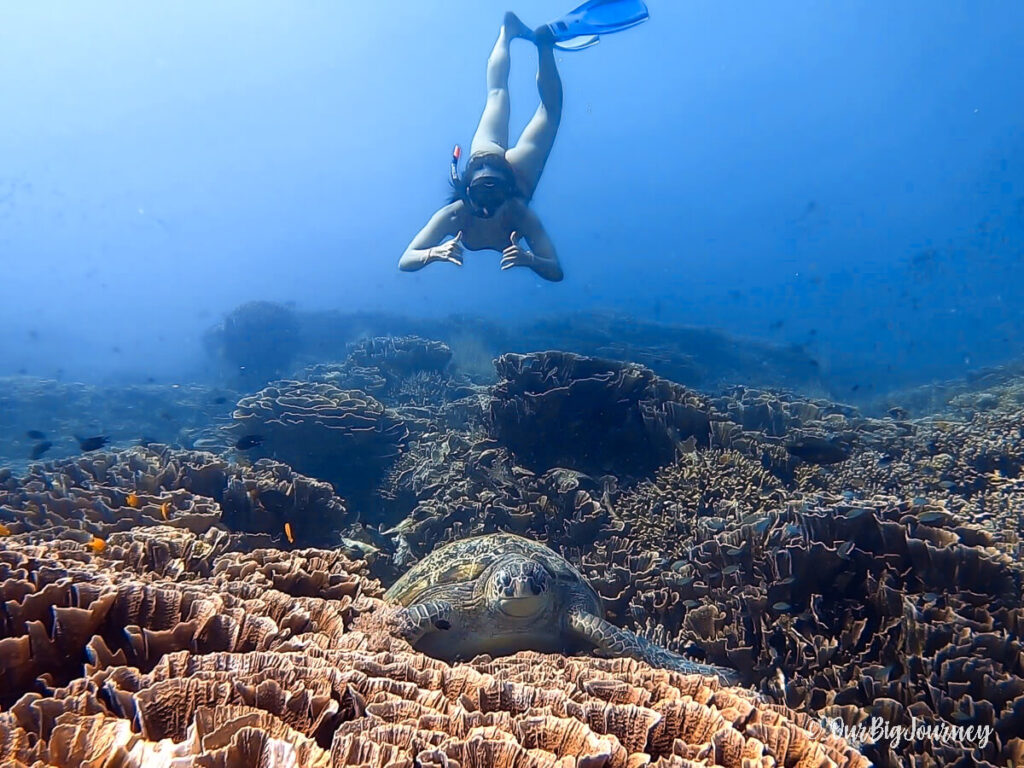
(133,500)
(165,510)
(254,494)
(4,530)
(97,544)
(288,533)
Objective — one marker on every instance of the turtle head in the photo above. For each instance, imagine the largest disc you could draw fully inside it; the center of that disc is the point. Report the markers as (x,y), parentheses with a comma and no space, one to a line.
(518,587)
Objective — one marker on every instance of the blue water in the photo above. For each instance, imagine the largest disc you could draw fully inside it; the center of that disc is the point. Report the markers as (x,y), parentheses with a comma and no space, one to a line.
(844,176)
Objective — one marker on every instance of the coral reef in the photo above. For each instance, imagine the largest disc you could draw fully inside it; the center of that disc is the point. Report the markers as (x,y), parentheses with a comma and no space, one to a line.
(402,356)
(611,417)
(162,603)
(343,436)
(885,585)
(280,659)
(400,371)
(96,495)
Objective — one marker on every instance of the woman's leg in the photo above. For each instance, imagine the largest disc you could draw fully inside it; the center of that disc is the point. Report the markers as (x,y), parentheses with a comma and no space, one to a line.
(531,152)
(491,135)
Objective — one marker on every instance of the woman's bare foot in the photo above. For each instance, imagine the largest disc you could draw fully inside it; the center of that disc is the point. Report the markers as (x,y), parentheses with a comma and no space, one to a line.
(514,27)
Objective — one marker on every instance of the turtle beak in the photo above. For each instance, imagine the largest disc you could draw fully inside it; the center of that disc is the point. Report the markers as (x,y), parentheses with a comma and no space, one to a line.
(521,607)
(522,597)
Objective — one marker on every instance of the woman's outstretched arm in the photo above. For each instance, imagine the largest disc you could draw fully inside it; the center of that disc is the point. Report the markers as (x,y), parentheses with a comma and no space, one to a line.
(424,247)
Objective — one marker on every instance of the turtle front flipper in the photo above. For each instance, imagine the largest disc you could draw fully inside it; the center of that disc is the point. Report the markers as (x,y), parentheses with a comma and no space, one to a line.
(415,621)
(610,640)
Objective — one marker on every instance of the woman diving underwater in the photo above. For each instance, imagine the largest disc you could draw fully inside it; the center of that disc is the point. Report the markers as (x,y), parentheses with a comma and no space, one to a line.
(489,207)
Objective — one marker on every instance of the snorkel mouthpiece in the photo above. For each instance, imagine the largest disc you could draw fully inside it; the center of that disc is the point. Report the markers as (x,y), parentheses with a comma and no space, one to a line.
(485,184)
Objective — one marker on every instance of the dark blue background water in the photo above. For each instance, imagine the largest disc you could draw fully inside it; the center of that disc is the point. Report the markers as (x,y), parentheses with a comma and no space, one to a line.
(845,175)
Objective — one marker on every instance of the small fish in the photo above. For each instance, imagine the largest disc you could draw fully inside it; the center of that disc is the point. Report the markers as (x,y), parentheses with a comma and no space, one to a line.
(220,400)
(165,510)
(288,533)
(133,500)
(885,460)
(776,325)
(92,443)
(818,450)
(35,434)
(248,442)
(855,387)
(4,530)
(898,413)
(782,607)
(97,544)
(38,450)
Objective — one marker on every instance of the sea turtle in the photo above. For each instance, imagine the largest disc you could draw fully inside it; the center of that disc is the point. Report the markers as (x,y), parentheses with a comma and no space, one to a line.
(501,593)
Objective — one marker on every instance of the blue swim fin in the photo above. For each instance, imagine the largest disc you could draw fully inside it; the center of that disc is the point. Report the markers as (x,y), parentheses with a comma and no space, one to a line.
(582,27)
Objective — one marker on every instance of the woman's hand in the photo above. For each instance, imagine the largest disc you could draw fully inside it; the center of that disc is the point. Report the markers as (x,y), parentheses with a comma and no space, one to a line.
(450,251)
(514,256)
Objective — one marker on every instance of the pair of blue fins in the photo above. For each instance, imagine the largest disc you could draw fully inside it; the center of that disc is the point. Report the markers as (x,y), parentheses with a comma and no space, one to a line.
(582,27)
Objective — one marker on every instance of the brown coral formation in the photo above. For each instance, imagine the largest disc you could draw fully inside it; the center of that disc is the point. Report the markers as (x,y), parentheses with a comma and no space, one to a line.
(278,659)
(855,602)
(459,485)
(96,495)
(398,371)
(611,417)
(401,356)
(343,436)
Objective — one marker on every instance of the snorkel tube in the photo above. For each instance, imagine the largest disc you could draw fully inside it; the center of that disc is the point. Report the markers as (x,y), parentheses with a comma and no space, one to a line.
(454,171)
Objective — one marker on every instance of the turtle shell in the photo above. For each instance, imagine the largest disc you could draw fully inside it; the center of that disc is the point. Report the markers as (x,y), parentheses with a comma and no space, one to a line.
(462,562)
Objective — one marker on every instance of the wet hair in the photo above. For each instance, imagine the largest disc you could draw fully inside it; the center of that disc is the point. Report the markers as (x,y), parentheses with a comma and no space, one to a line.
(460,184)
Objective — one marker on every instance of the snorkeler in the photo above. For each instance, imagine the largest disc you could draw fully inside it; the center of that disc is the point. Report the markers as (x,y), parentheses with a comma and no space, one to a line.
(489,207)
